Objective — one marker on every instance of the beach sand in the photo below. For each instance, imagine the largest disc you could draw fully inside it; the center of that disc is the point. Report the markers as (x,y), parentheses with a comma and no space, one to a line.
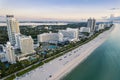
(61,66)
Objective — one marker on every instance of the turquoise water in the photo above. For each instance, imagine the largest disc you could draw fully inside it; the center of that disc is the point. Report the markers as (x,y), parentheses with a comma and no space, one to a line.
(103,63)
(52,47)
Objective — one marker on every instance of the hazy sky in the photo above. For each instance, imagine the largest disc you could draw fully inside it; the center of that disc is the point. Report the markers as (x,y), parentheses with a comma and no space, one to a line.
(60,9)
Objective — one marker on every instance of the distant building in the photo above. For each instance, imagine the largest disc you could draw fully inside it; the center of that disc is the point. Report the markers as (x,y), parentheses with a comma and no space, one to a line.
(48,37)
(12,28)
(112,17)
(26,44)
(10,55)
(107,25)
(100,27)
(69,34)
(91,24)
(85,29)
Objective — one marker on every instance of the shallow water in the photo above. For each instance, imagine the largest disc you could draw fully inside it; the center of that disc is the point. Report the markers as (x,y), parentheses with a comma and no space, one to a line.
(103,63)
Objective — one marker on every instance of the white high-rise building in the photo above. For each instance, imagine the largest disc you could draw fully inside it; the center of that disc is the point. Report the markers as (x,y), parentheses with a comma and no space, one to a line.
(91,24)
(48,37)
(85,29)
(26,44)
(69,34)
(100,27)
(10,55)
(12,28)
(76,33)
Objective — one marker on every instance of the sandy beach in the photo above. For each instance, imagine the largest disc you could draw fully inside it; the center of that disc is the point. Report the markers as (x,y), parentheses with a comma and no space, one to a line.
(59,67)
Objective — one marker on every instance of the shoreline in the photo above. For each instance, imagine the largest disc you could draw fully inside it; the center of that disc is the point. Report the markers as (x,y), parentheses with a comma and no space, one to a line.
(57,68)
(68,68)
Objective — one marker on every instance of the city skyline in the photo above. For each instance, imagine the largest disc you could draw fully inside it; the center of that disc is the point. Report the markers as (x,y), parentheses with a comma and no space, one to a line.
(60,9)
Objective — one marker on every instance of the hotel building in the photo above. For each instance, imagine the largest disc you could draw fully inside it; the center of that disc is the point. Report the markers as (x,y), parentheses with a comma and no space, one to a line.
(48,37)
(91,23)
(26,44)
(12,28)
(10,55)
(85,29)
(69,35)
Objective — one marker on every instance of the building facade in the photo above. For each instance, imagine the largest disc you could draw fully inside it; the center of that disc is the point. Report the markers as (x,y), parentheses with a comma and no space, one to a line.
(26,44)
(100,27)
(12,28)
(48,37)
(91,23)
(85,29)
(10,55)
(69,34)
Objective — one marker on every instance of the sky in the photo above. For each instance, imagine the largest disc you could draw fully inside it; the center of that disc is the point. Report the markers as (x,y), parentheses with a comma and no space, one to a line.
(60,9)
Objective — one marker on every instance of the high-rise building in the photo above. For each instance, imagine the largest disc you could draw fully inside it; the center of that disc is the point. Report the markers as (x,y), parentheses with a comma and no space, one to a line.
(91,24)
(85,29)
(10,55)
(75,31)
(100,27)
(12,28)
(48,37)
(26,44)
(69,34)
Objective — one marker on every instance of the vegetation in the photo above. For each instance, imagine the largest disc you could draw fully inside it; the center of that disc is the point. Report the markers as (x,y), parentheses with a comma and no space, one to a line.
(70,47)
(11,77)
(34,31)
(46,58)
(3,35)
(29,69)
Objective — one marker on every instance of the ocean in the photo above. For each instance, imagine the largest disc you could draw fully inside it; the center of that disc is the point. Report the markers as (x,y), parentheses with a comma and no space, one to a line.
(103,63)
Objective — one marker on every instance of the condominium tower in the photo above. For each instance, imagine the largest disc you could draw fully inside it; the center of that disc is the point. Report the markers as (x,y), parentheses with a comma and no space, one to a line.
(48,37)
(26,44)
(12,28)
(10,55)
(91,24)
(69,34)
